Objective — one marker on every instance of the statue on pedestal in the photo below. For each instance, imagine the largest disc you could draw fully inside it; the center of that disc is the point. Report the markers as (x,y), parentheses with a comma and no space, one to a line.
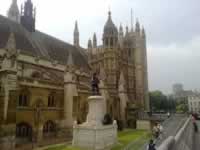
(95,85)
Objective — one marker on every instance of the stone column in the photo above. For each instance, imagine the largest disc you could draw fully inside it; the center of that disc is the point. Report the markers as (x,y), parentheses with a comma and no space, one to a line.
(39,132)
(70,91)
(123,97)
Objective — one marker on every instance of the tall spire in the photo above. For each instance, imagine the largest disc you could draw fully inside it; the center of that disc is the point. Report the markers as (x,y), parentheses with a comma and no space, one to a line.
(94,41)
(89,44)
(13,12)
(137,26)
(76,35)
(143,33)
(110,34)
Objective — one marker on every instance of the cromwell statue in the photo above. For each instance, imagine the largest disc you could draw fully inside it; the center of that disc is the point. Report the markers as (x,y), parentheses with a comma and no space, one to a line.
(95,84)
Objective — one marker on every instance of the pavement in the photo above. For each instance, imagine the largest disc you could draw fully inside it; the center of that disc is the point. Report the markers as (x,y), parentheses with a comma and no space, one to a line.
(197,138)
(171,127)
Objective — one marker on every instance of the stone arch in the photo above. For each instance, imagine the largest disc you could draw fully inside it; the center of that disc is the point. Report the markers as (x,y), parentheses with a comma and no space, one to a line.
(24,131)
(49,128)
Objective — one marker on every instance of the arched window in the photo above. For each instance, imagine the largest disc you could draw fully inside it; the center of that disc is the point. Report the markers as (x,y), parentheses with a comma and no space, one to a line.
(49,128)
(23,98)
(23,130)
(51,100)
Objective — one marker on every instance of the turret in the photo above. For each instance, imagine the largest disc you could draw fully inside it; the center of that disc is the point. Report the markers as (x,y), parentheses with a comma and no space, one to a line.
(13,12)
(126,34)
(89,49)
(137,27)
(28,14)
(110,34)
(94,41)
(89,44)
(143,34)
(121,35)
(76,35)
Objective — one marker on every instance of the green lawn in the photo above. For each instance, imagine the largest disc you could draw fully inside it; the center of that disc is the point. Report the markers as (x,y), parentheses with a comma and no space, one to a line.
(127,136)
(124,138)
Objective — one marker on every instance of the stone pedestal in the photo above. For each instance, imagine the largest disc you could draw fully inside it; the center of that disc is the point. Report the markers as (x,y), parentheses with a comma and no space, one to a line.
(93,134)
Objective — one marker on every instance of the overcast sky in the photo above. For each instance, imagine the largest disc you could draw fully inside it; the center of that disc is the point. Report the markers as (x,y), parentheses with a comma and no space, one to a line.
(172,26)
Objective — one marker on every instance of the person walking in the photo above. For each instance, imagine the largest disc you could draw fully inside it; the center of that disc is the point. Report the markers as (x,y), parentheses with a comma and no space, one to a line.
(160,127)
(151,145)
(156,131)
(194,123)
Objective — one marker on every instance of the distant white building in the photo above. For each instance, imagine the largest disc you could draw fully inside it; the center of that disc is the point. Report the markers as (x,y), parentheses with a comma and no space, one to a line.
(194,104)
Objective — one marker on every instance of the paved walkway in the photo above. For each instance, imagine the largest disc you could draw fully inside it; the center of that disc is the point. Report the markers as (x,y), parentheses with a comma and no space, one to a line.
(171,127)
(197,138)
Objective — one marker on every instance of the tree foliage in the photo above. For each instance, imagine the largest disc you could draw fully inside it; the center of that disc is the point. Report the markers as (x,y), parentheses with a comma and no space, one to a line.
(160,102)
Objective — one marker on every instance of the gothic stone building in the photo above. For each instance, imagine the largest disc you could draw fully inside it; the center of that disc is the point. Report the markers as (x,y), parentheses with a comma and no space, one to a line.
(45,82)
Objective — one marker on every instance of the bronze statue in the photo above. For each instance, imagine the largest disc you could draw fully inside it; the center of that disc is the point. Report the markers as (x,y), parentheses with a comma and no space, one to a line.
(95,84)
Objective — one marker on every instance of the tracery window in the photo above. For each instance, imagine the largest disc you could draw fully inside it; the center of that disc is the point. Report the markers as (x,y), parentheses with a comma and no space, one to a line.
(49,128)
(51,100)
(23,98)
(23,130)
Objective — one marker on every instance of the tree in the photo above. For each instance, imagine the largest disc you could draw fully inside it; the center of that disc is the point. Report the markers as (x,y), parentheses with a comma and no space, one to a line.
(160,102)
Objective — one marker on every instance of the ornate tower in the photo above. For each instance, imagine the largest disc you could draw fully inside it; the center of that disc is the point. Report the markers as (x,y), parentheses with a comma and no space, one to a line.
(110,35)
(76,35)
(139,67)
(146,89)
(13,12)
(28,14)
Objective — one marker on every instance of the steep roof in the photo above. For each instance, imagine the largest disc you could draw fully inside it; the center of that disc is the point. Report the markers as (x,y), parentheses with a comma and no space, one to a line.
(39,44)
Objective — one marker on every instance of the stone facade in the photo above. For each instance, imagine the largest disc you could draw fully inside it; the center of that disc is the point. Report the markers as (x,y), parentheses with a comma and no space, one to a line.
(45,82)
(123,59)
(194,104)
